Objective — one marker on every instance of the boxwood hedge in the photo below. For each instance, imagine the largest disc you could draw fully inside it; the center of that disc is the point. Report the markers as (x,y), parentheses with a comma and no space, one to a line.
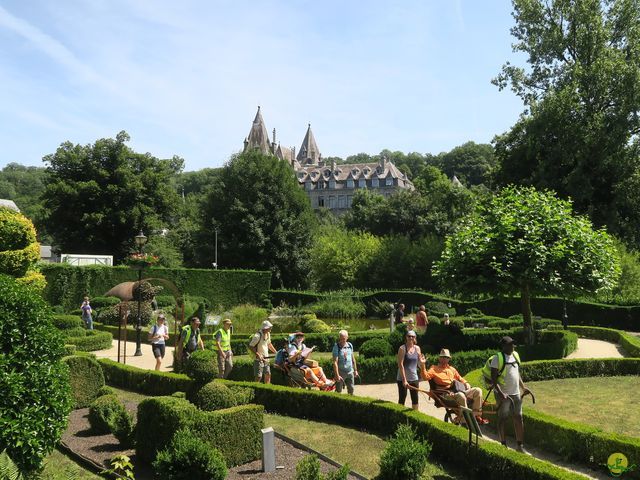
(629,343)
(67,322)
(234,431)
(92,340)
(86,379)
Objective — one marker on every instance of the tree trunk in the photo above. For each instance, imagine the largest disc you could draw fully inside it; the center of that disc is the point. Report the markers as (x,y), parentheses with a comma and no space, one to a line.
(525,300)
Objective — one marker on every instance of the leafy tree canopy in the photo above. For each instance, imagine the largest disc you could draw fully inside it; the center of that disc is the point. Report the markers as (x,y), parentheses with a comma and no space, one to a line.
(528,242)
(263,217)
(579,134)
(473,163)
(99,196)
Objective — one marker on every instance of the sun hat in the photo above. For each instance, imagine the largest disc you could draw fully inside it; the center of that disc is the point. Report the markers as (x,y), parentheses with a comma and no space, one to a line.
(445,353)
(411,333)
(266,324)
(227,320)
(161,316)
(298,334)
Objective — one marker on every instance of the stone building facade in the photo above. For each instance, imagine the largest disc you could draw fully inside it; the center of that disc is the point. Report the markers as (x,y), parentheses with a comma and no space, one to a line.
(327,184)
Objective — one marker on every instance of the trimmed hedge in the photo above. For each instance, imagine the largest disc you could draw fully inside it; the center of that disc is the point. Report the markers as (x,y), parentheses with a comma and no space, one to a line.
(103,413)
(629,343)
(382,418)
(234,431)
(86,379)
(67,322)
(66,284)
(575,441)
(91,341)
(149,382)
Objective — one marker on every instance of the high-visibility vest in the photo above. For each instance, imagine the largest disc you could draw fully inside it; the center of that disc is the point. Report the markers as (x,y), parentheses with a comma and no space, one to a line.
(187,329)
(486,370)
(225,339)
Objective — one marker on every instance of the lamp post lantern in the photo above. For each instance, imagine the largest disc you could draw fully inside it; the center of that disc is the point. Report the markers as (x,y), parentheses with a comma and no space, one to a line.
(140,241)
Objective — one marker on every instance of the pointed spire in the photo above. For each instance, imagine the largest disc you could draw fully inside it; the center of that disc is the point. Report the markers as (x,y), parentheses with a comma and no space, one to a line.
(258,136)
(309,152)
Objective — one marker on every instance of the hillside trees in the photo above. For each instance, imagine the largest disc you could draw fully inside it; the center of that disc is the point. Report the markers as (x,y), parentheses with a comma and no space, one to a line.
(99,196)
(263,217)
(580,133)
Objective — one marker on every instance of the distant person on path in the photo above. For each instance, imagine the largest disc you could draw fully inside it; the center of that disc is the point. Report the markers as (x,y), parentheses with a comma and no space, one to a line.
(223,346)
(260,345)
(158,335)
(409,356)
(344,363)
(190,340)
(411,326)
(422,319)
(86,313)
(447,379)
(446,320)
(399,315)
(509,390)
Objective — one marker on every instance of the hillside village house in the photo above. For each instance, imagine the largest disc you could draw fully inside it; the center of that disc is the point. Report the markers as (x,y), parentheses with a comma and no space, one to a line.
(328,185)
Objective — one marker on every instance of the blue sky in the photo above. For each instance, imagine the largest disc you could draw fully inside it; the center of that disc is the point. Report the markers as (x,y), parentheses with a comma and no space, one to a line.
(185,78)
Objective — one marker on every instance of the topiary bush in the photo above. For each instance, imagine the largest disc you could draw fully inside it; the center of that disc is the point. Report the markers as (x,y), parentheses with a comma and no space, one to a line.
(439,309)
(102,302)
(86,379)
(309,469)
(19,250)
(34,383)
(73,332)
(188,458)
(103,413)
(374,348)
(124,429)
(106,390)
(67,322)
(212,396)
(315,326)
(111,315)
(338,307)
(202,366)
(404,456)
(91,340)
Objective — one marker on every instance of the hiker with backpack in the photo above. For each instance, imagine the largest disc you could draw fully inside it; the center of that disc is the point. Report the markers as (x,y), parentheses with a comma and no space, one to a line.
(260,344)
(344,363)
(158,335)
(502,371)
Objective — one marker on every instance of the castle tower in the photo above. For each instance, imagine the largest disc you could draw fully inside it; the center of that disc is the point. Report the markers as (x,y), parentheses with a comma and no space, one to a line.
(258,136)
(309,153)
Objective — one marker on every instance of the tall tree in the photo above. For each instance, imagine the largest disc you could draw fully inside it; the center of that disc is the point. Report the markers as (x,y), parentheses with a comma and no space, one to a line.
(99,196)
(528,242)
(264,219)
(579,133)
(473,163)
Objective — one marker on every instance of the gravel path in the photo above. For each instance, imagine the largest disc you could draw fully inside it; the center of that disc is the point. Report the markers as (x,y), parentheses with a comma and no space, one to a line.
(588,348)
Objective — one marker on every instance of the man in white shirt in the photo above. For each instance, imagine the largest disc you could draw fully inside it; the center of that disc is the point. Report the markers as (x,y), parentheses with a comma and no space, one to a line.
(508,390)
(261,345)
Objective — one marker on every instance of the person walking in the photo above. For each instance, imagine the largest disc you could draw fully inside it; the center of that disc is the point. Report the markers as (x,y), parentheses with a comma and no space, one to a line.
(422,319)
(260,345)
(158,335)
(508,391)
(409,357)
(399,315)
(190,340)
(344,363)
(223,346)
(86,313)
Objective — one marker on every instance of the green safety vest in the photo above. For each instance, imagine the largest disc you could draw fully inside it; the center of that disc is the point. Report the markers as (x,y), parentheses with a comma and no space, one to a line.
(225,339)
(486,370)
(187,336)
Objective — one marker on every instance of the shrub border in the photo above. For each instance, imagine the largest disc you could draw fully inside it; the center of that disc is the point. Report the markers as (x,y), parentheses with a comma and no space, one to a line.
(491,460)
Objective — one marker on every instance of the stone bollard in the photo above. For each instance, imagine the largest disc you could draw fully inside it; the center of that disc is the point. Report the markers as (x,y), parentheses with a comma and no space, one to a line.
(268,450)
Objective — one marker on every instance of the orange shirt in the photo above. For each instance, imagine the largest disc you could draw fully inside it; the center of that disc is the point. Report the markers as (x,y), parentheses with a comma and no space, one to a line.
(443,377)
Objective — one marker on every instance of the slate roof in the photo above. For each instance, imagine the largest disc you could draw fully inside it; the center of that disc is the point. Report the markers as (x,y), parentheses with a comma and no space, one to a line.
(354,171)
(258,135)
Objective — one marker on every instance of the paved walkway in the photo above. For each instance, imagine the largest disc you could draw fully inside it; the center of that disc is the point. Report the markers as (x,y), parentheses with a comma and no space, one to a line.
(145,361)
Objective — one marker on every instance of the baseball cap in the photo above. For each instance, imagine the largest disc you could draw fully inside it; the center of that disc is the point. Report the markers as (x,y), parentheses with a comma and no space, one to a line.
(161,316)
(266,324)
(227,320)
(506,340)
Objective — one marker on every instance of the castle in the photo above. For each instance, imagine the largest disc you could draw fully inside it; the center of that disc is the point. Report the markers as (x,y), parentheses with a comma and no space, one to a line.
(328,185)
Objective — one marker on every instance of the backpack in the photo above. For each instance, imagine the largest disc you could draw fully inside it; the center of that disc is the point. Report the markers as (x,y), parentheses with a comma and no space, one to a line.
(486,370)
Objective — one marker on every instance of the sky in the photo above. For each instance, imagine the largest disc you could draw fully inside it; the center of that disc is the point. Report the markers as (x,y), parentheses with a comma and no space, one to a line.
(185,78)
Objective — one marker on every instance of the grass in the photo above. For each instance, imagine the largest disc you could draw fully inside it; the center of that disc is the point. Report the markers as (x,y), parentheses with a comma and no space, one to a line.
(360,450)
(607,403)
(58,466)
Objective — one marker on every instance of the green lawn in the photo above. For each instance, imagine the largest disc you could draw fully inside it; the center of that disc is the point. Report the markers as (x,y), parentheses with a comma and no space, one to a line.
(344,445)
(60,467)
(608,403)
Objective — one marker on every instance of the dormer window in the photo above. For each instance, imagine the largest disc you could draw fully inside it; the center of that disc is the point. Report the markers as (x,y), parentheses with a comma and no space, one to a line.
(367,171)
(389,181)
(350,183)
(327,172)
(332,184)
(375,182)
(362,183)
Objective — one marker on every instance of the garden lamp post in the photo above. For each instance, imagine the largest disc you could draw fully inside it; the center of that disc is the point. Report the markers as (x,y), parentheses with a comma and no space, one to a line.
(215,264)
(140,241)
